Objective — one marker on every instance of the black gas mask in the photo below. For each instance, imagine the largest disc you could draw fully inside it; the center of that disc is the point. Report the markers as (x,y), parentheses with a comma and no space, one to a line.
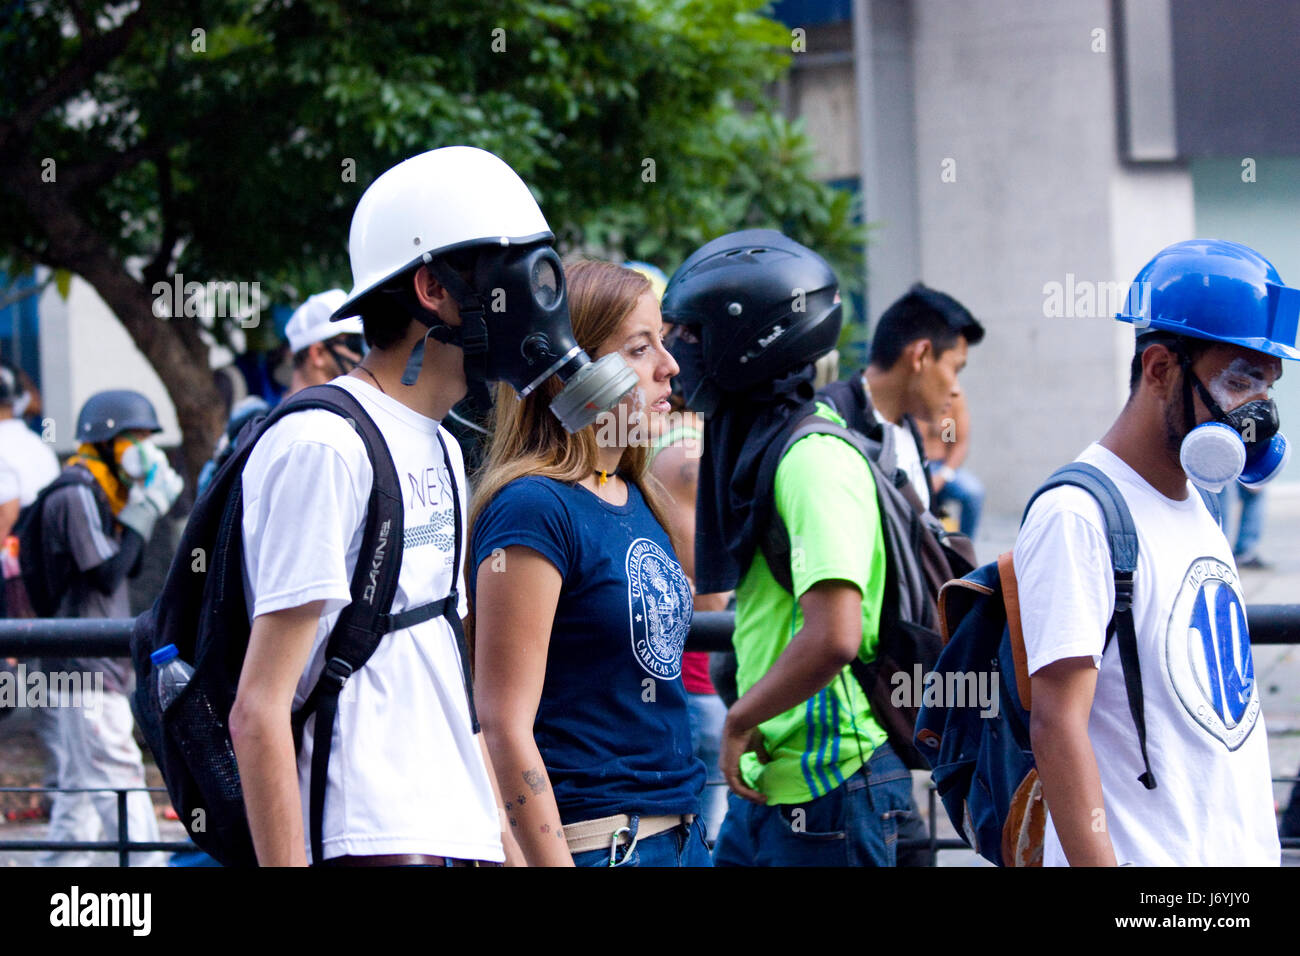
(515,328)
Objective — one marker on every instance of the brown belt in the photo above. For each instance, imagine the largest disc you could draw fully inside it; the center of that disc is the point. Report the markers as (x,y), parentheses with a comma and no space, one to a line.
(403,859)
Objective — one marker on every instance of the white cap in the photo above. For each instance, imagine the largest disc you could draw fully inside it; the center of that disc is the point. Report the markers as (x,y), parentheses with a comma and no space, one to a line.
(310,322)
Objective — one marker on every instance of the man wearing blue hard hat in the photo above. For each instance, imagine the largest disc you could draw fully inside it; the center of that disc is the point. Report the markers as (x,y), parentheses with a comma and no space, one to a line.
(1161,758)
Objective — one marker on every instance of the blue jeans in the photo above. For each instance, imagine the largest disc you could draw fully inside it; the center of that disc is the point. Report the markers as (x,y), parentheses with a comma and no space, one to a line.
(680,846)
(856,824)
(708,713)
(967,491)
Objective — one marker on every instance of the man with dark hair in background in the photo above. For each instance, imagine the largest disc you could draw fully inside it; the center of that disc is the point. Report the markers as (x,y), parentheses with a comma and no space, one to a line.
(917,351)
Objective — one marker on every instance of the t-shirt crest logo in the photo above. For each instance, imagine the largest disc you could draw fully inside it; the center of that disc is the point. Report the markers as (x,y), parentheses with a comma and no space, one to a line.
(659,607)
(1207,653)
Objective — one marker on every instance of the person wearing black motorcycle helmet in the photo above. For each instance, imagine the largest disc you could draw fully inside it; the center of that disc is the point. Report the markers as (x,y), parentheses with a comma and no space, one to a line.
(752,312)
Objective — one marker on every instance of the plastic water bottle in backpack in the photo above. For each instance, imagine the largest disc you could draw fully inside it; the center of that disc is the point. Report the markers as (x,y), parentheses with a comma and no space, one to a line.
(203,741)
(173,674)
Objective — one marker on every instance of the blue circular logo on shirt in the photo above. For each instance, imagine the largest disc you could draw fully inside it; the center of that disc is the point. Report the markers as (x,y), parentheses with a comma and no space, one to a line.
(1207,651)
(659,608)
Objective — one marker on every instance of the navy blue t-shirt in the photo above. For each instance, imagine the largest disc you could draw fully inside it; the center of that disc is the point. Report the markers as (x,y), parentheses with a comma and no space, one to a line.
(612,725)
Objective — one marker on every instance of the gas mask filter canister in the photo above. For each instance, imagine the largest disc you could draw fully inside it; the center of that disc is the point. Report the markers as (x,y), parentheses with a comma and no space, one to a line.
(1212,454)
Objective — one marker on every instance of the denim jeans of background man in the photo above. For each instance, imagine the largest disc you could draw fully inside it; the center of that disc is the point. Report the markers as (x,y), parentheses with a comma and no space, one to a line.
(968,492)
(1249,526)
(856,824)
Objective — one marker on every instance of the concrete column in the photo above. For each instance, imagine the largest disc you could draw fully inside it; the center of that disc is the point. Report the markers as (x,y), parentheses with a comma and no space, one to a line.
(1020,187)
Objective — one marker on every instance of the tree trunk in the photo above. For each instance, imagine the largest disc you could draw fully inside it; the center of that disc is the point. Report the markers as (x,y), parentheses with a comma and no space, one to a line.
(173,347)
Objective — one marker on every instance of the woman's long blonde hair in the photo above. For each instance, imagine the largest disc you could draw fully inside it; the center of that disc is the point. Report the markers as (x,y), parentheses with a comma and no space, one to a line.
(527,439)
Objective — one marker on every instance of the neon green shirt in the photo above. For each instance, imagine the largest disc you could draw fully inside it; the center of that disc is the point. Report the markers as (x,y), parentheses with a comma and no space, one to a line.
(827,497)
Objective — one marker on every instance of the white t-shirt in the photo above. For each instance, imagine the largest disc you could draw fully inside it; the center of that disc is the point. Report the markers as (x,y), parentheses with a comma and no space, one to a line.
(908,457)
(406,775)
(1213,803)
(27,464)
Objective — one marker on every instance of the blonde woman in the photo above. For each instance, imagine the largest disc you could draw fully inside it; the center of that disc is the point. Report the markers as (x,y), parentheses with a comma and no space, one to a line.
(581,610)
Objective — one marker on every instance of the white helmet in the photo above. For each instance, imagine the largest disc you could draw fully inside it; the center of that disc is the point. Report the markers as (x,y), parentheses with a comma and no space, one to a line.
(311,323)
(432,203)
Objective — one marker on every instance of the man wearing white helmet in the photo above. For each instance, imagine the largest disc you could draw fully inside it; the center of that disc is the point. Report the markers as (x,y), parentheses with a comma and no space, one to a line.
(322,350)
(456,284)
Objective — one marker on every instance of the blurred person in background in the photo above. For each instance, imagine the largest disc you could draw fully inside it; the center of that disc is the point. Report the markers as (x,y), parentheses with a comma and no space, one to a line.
(1250,525)
(947,442)
(918,349)
(581,610)
(96,521)
(322,350)
(27,465)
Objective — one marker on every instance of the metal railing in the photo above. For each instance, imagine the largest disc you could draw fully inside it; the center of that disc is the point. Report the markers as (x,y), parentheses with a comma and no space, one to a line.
(122,846)
(710,631)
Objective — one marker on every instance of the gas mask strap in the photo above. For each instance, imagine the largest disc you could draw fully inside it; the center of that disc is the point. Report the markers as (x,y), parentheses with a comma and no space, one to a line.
(413,364)
(1190,380)
(472,335)
(439,330)
(1215,409)
(1185,365)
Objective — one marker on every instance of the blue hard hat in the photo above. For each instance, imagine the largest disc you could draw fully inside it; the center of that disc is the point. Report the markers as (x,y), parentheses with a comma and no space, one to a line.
(1218,290)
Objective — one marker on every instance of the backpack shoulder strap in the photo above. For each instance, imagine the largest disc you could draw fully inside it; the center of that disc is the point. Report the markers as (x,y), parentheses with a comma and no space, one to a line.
(850,401)
(775,540)
(1121,537)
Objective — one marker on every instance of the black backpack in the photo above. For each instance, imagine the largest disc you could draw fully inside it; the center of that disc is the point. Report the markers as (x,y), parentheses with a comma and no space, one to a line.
(202,610)
(47,573)
(920,556)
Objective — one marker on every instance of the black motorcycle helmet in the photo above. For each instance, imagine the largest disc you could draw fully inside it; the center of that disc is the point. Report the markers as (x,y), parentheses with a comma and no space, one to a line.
(747,308)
